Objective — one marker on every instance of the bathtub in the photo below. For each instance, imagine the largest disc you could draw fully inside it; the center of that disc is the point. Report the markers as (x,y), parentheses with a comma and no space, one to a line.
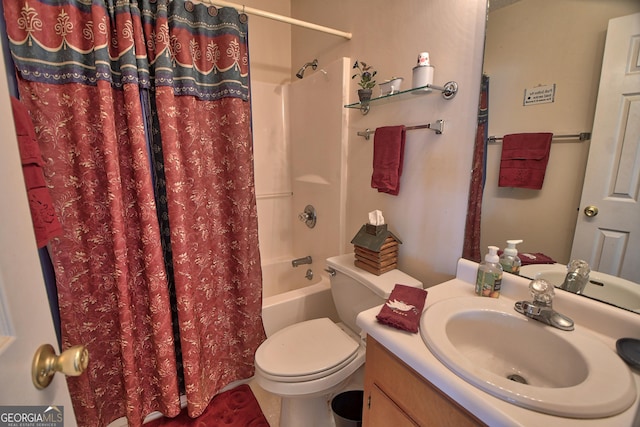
(288,297)
(279,277)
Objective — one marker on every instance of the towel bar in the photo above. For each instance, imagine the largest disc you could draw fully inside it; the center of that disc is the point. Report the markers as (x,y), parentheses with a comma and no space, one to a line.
(437,127)
(582,136)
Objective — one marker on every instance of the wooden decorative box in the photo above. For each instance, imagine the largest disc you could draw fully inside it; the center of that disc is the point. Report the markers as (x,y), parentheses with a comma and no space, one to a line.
(376,249)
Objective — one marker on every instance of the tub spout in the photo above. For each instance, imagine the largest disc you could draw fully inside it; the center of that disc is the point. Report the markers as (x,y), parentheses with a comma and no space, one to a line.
(299,261)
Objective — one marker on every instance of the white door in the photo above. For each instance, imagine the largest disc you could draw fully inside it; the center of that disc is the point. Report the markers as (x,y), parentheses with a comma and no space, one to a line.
(610,239)
(25,318)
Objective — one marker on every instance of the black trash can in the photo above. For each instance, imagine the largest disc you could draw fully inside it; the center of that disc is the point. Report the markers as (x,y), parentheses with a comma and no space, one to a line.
(347,408)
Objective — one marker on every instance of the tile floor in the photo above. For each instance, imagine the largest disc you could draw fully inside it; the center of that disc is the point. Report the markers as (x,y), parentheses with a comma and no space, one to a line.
(269,403)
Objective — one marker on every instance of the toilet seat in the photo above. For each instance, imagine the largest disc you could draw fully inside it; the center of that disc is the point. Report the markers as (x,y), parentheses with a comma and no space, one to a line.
(305,351)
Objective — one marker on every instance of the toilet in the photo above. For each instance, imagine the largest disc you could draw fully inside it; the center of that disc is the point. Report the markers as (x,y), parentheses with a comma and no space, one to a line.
(308,363)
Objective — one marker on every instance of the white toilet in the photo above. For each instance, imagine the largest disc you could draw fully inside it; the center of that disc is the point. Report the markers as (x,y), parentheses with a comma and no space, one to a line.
(307,363)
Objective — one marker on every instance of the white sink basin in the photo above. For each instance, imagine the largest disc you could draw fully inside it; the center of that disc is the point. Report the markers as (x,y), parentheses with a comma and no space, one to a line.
(488,344)
(603,287)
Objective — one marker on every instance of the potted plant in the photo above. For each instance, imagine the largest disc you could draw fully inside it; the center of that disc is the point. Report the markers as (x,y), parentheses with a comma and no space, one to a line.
(366,74)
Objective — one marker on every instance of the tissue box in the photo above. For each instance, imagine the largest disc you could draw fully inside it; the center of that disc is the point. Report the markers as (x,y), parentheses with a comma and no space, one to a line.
(375,230)
(376,249)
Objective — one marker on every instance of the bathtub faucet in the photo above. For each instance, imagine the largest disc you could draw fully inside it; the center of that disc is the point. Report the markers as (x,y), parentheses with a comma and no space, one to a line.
(299,261)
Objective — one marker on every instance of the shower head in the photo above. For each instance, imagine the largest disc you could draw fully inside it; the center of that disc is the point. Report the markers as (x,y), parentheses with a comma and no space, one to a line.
(314,65)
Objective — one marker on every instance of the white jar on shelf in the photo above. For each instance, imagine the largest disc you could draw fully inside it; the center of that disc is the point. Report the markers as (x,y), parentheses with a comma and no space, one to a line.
(423,73)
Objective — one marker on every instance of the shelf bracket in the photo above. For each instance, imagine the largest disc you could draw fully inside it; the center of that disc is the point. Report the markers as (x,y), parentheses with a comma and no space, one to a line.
(449,90)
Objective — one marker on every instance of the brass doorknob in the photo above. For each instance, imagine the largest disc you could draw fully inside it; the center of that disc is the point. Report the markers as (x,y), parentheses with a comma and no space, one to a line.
(46,363)
(591,211)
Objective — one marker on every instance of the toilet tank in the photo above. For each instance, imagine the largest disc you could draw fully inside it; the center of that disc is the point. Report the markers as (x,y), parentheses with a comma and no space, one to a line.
(355,290)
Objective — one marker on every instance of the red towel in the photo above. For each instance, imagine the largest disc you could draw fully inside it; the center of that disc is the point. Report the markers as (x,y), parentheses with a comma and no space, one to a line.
(403,308)
(535,258)
(388,153)
(524,160)
(45,222)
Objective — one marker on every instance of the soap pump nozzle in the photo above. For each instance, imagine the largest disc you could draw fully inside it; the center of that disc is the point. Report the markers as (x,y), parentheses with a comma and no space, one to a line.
(509,259)
(511,247)
(492,255)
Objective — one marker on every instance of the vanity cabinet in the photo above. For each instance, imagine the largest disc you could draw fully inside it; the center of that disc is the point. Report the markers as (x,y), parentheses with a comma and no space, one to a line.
(396,395)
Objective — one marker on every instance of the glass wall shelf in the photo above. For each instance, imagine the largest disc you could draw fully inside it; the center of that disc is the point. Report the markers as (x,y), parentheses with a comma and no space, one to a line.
(448,92)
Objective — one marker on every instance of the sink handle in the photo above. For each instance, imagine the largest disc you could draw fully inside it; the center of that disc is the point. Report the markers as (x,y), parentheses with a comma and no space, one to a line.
(542,292)
(577,276)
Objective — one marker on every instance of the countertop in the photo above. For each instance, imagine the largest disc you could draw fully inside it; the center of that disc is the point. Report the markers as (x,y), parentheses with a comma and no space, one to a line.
(606,322)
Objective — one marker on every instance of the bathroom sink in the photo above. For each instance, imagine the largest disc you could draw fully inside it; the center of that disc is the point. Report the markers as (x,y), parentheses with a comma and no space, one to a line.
(603,287)
(525,362)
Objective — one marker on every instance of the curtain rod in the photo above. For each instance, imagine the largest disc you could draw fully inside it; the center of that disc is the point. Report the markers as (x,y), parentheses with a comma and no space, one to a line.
(582,136)
(276,17)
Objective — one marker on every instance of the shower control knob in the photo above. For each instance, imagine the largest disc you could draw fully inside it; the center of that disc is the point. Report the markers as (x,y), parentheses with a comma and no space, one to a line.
(591,211)
(308,216)
(303,216)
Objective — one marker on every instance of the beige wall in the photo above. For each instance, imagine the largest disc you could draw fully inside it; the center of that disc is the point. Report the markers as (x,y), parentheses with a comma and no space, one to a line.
(429,213)
(269,42)
(542,42)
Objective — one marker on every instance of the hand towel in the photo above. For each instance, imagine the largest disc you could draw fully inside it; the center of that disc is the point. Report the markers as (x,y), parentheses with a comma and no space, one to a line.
(535,258)
(524,160)
(45,222)
(403,308)
(388,154)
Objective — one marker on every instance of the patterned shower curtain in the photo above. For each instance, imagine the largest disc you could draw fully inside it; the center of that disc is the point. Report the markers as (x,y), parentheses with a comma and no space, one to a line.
(471,246)
(127,96)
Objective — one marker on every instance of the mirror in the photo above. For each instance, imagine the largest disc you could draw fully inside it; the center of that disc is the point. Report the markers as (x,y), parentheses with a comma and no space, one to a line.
(529,44)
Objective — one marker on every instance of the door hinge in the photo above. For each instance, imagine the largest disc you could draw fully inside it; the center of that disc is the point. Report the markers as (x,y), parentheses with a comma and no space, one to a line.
(369,402)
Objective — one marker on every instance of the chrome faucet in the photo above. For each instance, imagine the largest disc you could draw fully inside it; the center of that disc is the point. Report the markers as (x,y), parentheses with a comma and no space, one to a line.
(299,261)
(577,276)
(541,309)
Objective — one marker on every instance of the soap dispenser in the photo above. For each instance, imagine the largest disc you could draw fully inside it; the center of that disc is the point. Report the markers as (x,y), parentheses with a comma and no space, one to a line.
(509,259)
(489,276)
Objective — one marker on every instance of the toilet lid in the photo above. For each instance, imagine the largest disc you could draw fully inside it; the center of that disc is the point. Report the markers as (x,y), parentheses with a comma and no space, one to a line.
(306,351)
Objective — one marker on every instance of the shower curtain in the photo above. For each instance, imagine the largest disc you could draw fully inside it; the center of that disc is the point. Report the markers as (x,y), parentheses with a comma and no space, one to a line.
(471,246)
(127,97)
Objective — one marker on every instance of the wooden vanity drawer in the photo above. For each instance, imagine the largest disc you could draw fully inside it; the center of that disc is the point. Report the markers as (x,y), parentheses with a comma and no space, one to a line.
(395,394)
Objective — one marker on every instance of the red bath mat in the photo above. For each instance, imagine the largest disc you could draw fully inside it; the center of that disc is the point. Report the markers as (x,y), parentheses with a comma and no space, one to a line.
(237,407)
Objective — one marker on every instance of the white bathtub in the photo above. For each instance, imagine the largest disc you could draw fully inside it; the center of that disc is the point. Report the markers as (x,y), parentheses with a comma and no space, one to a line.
(288,297)
(279,277)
